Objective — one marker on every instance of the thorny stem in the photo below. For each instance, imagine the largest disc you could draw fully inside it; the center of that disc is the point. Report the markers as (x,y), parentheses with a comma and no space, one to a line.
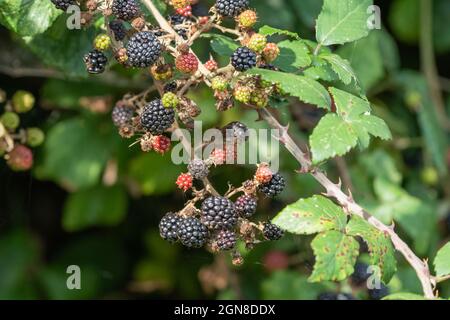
(335,191)
(332,190)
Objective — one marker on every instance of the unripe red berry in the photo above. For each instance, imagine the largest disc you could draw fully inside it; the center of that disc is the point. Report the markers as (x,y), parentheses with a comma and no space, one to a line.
(184,181)
(187,63)
(270,52)
(185,12)
(20,158)
(161,144)
(211,65)
(263,173)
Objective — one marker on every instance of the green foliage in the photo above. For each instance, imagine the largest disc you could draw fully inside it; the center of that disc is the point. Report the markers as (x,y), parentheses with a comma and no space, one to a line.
(342,21)
(335,254)
(336,134)
(293,55)
(97,206)
(270,31)
(442,261)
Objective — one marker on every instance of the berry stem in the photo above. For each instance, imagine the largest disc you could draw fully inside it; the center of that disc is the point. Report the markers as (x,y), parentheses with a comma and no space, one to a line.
(335,191)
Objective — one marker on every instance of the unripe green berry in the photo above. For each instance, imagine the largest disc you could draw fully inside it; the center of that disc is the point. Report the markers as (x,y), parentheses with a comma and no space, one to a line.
(430,176)
(242,94)
(247,18)
(219,83)
(102,42)
(10,120)
(35,137)
(257,42)
(23,101)
(259,98)
(170,100)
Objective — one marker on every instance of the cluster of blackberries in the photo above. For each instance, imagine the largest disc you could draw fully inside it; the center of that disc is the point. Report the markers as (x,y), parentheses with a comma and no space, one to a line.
(219,213)
(95,61)
(274,187)
(231,8)
(118,29)
(143,49)
(63,4)
(126,9)
(155,118)
(243,59)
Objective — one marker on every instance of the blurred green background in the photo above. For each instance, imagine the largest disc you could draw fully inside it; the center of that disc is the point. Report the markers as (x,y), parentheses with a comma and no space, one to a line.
(93,201)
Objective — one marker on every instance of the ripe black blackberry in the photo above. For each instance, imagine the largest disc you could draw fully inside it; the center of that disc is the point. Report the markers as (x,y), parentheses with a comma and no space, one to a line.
(121,114)
(243,59)
(63,4)
(170,86)
(218,213)
(226,240)
(272,232)
(155,118)
(361,273)
(236,131)
(143,49)
(198,169)
(274,187)
(246,205)
(378,294)
(126,9)
(169,225)
(231,8)
(192,233)
(176,19)
(118,29)
(268,66)
(95,61)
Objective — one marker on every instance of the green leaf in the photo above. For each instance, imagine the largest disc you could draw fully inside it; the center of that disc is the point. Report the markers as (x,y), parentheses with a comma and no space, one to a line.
(293,55)
(97,206)
(270,31)
(342,21)
(28,17)
(404,296)
(381,251)
(307,90)
(223,45)
(341,67)
(337,134)
(312,215)
(442,261)
(335,254)
(76,151)
(285,285)
(63,48)
(151,181)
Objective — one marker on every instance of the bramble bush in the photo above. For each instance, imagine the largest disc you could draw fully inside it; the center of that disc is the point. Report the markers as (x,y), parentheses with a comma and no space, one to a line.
(357,209)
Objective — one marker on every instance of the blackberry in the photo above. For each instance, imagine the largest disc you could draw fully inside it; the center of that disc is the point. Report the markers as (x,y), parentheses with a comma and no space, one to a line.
(243,59)
(126,9)
(226,240)
(118,30)
(218,213)
(361,274)
(63,4)
(378,294)
(157,119)
(268,66)
(121,115)
(246,205)
(176,19)
(198,169)
(272,232)
(170,86)
(192,233)
(231,8)
(236,131)
(168,227)
(95,62)
(143,49)
(274,187)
